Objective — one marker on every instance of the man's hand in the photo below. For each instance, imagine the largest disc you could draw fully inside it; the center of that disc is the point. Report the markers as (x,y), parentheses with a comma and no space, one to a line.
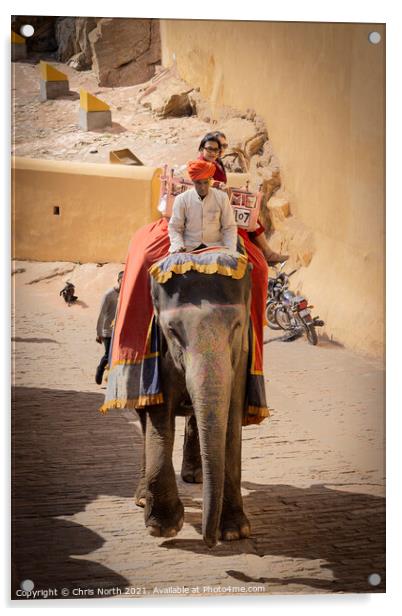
(224,187)
(99,339)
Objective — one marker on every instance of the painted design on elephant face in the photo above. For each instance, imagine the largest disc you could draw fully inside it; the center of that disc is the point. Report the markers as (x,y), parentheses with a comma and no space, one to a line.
(205,339)
(204,305)
(209,328)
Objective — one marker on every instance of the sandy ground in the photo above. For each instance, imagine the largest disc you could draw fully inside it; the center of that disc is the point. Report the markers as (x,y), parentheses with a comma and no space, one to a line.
(49,129)
(313,474)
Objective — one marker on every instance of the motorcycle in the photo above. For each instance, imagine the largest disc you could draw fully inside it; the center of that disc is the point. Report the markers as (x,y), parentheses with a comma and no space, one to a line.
(288,311)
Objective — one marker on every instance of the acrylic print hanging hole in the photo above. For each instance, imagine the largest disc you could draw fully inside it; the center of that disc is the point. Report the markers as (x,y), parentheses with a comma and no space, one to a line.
(27,585)
(27,30)
(374,579)
(374,38)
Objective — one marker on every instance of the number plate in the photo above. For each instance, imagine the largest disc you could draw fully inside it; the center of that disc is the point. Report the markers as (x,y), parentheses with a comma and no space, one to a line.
(304,313)
(242,216)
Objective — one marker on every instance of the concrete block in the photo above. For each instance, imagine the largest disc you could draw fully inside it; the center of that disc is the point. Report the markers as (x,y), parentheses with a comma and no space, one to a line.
(50,73)
(53,89)
(90,120)
(89,102)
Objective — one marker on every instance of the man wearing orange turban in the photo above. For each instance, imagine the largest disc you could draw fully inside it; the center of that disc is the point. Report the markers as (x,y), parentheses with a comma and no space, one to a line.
(202,216)
(200,170)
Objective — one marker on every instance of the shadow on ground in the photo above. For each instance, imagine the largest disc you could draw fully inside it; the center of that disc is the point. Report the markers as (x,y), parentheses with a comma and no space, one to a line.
(64,455)
(344,529)
(39,340)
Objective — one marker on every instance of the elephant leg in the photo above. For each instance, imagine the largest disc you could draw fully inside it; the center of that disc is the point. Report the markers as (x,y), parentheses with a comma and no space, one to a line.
(140,493)
(164,511)
(234,523)
(191,469)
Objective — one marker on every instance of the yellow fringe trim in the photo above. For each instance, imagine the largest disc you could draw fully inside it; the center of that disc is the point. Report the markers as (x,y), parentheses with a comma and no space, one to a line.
(255,415)
(258,410)
(132,403)
(134,362)
(211,268)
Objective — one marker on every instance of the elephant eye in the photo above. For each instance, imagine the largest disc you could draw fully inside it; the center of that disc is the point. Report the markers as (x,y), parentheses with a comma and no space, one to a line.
(174,334)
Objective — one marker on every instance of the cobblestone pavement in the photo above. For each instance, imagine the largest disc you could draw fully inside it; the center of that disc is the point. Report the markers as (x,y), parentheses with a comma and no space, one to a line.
(313,474)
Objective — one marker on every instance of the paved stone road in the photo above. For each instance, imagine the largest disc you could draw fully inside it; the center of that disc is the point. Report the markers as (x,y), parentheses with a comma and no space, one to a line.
(313,474)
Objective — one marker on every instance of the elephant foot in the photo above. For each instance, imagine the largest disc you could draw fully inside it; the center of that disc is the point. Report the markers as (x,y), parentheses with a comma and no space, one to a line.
(140,495)
(166,524)
(191,473)
(140,501)
(234,526)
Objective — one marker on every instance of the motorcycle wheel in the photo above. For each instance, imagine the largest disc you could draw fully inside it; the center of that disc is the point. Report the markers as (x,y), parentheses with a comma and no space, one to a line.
(270,314)
(282,318)
(311,333)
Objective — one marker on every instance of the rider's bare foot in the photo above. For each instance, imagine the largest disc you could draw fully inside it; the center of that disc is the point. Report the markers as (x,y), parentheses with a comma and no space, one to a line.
(274,257)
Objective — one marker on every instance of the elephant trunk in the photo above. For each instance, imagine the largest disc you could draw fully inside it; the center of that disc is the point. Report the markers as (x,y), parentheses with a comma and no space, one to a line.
(209,386)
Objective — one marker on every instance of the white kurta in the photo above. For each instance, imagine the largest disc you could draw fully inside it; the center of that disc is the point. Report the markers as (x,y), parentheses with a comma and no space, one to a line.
(208,221)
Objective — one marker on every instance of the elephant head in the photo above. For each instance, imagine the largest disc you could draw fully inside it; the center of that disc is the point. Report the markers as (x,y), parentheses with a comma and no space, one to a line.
(204,320)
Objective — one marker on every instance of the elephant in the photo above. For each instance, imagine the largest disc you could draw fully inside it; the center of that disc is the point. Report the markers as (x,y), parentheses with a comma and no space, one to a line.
(203,321)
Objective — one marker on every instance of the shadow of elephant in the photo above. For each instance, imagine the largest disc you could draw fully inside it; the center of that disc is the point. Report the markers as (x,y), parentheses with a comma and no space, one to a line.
(344,529)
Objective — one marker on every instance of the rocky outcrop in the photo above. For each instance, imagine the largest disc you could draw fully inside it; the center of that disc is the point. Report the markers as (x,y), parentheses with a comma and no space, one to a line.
(247,140)
(170,98)
(82,58)
(125,51)
(294,238)
(73,43)
(167,95)
(65,37)
(250,151)
(200,106)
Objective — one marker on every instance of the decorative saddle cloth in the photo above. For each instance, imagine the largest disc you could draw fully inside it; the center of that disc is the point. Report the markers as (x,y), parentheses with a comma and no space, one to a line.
(134,380)
(211,260)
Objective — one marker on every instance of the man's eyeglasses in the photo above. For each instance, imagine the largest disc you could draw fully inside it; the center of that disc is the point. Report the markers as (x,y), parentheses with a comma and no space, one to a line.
(209,149)
(224,146)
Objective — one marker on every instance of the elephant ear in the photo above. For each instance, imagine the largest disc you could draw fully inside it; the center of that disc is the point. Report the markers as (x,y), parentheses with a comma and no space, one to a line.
(245,340)
(163,343)
(155,299)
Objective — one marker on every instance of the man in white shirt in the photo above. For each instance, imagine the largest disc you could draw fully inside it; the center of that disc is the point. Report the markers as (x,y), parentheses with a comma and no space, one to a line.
(202,216)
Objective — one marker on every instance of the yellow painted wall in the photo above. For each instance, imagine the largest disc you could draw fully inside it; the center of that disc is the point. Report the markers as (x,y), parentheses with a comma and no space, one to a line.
(100,208)
(320,89)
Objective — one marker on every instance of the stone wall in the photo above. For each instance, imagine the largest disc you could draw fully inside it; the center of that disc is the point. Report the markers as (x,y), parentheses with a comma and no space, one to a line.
(74,211)
(320,89)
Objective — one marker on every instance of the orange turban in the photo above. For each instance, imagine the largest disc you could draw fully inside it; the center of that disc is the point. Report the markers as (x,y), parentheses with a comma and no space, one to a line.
(200,169)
